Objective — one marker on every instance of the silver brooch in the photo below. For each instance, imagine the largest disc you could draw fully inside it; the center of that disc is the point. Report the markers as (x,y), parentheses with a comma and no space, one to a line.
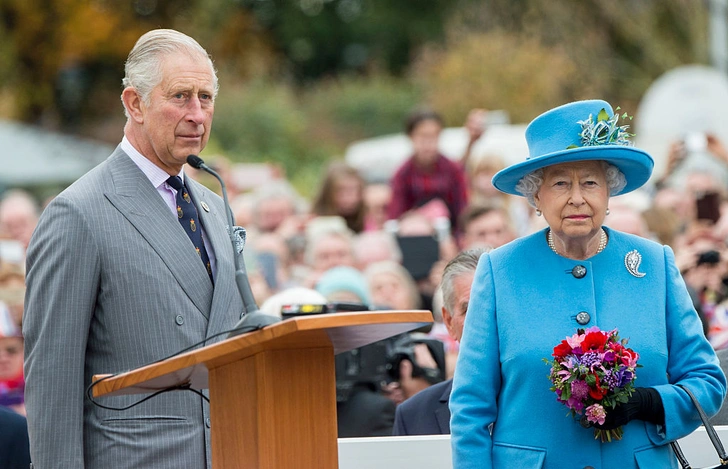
(632,261)
(239,235)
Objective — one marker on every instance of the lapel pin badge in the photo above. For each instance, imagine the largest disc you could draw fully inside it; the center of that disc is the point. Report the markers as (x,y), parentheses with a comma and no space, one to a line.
(205,206)
(632,261)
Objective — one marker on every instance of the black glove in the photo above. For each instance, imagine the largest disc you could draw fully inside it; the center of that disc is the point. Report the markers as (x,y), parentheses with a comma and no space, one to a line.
(643,404)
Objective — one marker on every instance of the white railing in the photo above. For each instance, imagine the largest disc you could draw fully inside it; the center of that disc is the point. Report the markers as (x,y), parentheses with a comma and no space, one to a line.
(433,451)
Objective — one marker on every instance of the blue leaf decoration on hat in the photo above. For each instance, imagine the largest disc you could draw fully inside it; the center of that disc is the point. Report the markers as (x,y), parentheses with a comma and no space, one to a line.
(603,131)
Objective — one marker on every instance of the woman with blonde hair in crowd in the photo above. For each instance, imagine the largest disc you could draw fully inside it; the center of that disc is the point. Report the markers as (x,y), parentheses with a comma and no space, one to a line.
(342,194)
(392,287)
(482,192)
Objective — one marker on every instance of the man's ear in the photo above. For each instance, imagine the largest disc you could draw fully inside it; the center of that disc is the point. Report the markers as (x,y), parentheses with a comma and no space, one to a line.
(133,104)
(447,319)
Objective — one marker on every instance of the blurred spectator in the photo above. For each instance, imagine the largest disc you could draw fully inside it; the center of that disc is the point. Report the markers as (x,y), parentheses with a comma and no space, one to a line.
(342,193)
(425,249)
(703,262)
(677,201)
(475,124)
(483,193)
(276,209)
(242,207)
(626,214)
(14,444)
(344,284)
(426,221)
(273,259)
(484,226)
(392,287)
(481,171)
(427,413)
(18,216)
(12,383)
(628,220)
(681,151)
(427,175)
(12,288)
(375,246)
(377,198)
(663,223)
(328,244)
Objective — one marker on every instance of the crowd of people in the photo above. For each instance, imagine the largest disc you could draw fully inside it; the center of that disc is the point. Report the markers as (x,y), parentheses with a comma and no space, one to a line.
(408,243)
(381,231)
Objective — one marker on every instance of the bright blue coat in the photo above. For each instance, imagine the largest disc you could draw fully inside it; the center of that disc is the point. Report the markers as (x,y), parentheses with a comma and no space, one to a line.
(524,301)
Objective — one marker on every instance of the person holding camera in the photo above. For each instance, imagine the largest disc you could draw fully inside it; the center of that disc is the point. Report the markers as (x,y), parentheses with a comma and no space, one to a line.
(577,275)
(427,412)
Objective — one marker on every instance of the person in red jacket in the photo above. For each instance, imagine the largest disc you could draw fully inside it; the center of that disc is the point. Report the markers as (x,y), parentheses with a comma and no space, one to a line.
(427,175)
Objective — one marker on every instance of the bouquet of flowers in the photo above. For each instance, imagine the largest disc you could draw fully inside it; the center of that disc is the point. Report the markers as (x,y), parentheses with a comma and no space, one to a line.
(591,372)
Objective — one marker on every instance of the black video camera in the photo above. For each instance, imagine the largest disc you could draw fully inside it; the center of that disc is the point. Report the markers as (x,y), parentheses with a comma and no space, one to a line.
(404,349)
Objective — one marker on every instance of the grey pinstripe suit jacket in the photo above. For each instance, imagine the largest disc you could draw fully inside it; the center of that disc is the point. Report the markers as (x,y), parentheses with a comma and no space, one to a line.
(113,282)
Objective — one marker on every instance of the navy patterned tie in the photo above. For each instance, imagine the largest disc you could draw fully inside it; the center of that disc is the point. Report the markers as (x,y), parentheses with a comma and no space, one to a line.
(187,215)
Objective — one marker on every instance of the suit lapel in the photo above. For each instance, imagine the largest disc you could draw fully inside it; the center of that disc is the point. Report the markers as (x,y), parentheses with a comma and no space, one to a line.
(139,202)
(442,413)
(215,224)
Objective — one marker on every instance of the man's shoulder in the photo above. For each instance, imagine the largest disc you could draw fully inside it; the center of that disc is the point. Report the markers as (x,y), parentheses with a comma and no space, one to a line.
(99,176)
(11,421)
(427,398)
(405,169)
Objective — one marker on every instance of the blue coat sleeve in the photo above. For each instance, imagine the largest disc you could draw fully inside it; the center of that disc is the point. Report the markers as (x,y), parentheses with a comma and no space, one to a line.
(477,381)
(691,362)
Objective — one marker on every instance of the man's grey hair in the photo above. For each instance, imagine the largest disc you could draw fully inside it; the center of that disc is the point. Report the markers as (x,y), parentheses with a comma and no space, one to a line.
(465,262)
(529,184)
(143,70)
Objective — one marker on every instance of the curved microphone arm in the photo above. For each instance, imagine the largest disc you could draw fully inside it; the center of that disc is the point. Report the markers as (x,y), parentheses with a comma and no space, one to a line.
(252,319)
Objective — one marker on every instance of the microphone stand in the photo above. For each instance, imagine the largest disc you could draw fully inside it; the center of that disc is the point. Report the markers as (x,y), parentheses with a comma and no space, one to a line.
(252,319)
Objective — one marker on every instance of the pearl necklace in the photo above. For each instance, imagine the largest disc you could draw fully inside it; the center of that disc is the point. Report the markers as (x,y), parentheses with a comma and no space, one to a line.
(600,248)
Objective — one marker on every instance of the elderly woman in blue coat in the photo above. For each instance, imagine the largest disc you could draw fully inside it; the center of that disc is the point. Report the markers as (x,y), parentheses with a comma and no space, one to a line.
(533,292)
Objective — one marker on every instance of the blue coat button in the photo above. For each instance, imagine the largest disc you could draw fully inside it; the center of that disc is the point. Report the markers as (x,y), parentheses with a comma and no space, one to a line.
(179,319)
(207,422)
(583,318)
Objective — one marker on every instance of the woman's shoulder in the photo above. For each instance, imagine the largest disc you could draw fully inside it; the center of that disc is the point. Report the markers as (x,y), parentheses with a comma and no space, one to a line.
(629,241)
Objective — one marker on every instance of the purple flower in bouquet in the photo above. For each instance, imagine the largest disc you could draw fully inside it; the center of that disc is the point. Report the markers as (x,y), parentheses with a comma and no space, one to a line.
(579,392)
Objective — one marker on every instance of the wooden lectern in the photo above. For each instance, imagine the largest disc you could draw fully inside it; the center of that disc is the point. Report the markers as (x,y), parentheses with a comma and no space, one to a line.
(272,391)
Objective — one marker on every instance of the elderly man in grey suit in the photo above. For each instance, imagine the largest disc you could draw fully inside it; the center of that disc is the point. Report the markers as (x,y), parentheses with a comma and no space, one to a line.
(128,265)
(427,412)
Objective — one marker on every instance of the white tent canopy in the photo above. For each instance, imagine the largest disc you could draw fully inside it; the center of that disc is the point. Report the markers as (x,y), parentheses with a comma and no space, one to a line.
(378,158)
(38,157)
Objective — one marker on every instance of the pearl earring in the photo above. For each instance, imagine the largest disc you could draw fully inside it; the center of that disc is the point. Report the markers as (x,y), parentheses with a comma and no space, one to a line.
(607,213)
(538,212)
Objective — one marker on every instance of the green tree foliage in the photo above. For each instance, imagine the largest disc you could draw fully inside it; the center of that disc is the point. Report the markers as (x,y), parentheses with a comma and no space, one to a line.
(528,55)
(300,79)
(323,37)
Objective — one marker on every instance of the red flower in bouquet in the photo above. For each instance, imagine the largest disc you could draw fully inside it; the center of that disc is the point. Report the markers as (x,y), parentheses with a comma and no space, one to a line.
(591,372)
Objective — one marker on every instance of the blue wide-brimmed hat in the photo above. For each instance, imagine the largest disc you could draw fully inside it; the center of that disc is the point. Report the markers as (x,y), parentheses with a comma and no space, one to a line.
(578,131)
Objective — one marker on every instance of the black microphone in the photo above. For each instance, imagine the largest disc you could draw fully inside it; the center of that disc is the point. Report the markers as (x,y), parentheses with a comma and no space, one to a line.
(252,319)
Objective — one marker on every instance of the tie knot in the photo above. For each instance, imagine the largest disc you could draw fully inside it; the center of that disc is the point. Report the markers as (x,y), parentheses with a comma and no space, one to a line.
(175,182)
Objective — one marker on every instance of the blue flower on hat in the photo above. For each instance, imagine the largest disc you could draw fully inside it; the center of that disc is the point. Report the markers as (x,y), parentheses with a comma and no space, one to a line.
(604,131)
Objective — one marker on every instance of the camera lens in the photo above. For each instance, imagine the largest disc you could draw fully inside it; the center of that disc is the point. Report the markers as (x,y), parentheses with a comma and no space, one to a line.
(709,257)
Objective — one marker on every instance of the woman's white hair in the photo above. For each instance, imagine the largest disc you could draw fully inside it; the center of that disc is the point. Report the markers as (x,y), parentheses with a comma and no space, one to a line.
(143,70)
(529,184)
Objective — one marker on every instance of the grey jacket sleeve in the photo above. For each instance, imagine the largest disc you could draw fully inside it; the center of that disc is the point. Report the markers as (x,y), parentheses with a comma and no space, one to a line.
(62,279)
